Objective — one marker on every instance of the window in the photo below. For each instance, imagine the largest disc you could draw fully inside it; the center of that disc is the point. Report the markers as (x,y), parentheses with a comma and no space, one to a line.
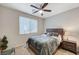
(27,25)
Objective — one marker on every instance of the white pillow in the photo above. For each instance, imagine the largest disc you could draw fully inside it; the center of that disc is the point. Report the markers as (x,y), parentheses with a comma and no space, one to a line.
(59,37)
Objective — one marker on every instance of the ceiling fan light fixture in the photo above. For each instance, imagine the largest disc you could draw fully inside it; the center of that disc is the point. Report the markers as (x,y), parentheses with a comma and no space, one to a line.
(40,11)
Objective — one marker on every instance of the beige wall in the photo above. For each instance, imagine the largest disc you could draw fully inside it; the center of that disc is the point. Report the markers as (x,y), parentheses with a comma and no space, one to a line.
(68,20)
(9,26)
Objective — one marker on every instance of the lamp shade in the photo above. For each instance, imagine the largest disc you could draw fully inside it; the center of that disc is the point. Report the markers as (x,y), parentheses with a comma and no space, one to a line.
(67,33)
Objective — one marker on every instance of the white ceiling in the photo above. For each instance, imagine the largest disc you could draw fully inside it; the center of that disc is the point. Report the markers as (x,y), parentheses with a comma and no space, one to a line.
(55,7)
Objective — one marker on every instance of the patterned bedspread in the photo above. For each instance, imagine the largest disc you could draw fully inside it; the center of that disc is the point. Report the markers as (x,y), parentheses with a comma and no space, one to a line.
(46,45)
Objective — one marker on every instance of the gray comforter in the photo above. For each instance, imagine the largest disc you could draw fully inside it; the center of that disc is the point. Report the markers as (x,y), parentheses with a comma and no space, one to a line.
(46,45)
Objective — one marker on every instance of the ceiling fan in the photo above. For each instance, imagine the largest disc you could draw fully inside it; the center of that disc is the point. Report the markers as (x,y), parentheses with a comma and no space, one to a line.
(41,8)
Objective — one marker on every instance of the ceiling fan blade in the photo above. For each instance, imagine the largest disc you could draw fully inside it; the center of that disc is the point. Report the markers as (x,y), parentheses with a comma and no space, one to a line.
(44,5)
(34,6)
(47,10)
(35,11)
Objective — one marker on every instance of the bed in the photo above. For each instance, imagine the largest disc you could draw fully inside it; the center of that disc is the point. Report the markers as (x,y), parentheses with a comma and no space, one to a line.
(46,44)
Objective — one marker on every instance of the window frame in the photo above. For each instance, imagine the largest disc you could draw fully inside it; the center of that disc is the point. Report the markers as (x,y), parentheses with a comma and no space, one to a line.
(29,25)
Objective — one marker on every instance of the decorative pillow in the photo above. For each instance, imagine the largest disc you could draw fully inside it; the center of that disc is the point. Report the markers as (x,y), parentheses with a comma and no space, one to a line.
(45,33)
(55,34)
(49,34)
(52,34)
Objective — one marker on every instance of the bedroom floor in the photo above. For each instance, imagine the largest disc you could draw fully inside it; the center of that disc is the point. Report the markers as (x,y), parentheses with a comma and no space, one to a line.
(27,51)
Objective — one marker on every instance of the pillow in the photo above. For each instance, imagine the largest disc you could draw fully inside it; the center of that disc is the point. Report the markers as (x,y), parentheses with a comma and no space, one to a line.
(52,34)
(60,39)
(45,33)
(55,34)
(49,34)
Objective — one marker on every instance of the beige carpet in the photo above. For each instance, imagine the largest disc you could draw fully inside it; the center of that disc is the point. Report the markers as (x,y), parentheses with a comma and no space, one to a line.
(28,51)
(23,51)
(64,52)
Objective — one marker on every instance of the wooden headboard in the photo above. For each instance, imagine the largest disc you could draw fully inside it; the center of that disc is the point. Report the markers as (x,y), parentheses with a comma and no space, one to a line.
(56,30)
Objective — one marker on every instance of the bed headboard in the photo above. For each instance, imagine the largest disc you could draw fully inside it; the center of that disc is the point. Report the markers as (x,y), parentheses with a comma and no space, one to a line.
(56,30)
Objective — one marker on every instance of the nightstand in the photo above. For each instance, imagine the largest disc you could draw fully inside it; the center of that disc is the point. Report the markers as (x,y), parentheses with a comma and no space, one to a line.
(69,45)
